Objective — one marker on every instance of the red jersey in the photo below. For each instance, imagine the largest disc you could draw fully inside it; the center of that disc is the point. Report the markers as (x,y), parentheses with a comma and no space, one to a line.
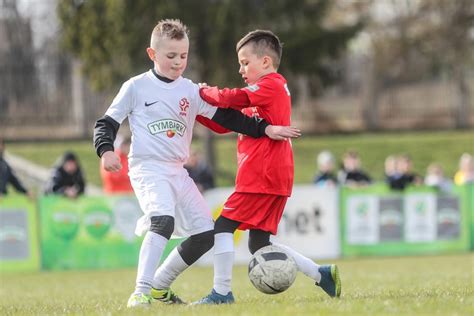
(264,165)
(117,182)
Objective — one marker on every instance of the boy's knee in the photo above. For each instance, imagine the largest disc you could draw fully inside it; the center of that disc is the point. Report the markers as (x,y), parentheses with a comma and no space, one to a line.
(162,225)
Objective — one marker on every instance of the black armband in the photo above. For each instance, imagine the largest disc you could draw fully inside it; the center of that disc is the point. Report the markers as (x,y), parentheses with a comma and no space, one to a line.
(238,122)
(105,132)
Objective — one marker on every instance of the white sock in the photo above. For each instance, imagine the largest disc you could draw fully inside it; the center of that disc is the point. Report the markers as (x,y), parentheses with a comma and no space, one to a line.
(149,258)
(173,266)
(223,262)
(305,265)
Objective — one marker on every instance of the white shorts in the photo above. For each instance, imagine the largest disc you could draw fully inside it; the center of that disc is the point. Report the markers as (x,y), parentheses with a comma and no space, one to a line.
(166,189)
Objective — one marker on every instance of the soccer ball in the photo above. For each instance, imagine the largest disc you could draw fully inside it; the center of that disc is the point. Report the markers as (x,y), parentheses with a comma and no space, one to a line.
(271,270)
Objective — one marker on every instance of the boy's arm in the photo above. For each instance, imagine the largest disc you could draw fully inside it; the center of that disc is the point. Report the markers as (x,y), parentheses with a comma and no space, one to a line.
(236,121)
(105,132)
(225,98)
(213,126)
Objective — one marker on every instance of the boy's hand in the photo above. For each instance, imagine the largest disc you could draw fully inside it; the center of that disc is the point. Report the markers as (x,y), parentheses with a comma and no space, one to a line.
(277,132)
(110,161)
(203,85)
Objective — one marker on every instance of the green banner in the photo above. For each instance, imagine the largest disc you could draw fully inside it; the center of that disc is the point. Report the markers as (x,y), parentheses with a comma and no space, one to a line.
(90,232)
(378,221)
(470,197)
(18,234)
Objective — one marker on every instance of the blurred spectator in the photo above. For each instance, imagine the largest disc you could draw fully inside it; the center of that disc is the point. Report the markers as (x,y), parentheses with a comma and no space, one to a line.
(67,178)
(391,173)
(199,171)
(326,170)
(435,178)
(118,182)
(351,173)
(404,174)
(7,175)
(465,174)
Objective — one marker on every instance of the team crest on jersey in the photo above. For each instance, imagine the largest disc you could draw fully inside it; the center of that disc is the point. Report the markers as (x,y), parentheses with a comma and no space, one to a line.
(183,105)
(170,127)
(253,88)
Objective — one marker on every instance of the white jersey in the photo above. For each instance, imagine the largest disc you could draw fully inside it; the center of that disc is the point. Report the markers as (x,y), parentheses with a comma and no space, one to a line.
(161,116)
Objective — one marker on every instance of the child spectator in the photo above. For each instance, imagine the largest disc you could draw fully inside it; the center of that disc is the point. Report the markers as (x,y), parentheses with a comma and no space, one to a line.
(7,175)
(435,178)
(465,174)
(118,182)
(67,178)
(351,173)
(404,174)
(199,171)
(326,167)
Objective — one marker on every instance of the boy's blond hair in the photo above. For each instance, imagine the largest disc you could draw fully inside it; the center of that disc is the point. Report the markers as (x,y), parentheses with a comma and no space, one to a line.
(264,43)
(169,28)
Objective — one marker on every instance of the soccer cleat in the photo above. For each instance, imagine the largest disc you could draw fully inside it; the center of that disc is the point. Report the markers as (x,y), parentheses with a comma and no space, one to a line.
(330,280)
(166,296)
(139,300)
(215,298)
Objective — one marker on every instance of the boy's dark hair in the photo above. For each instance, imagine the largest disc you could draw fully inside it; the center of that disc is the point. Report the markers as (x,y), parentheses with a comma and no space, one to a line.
(264,43)
(169,28)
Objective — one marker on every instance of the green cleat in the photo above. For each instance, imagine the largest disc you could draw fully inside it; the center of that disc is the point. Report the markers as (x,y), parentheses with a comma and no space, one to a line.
(166,296)
(139,300)
(330,280)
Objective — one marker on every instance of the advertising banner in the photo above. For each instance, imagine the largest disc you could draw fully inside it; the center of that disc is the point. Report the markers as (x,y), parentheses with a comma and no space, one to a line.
(18,234)
(310,223)
(90,232)
(377,221)
(470,196)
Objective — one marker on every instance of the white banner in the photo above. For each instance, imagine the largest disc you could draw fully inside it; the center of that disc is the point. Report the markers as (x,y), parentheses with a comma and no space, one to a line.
(420,213)
(310,223)
(362,219)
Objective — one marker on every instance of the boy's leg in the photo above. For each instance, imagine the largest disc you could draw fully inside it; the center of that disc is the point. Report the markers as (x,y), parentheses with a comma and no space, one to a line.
(304,264)
(224,254)
(258,239)
(224,229)
(325,276)
(183,256)
(151,250)
(193,219)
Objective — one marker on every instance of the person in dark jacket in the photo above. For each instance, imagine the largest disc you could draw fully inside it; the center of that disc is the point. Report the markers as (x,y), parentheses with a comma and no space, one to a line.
(67,178)
(351,173)
(199,171)
(7,175)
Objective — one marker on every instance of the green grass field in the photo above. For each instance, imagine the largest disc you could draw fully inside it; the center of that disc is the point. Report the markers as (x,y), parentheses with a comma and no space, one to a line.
(428,285)
(425,147)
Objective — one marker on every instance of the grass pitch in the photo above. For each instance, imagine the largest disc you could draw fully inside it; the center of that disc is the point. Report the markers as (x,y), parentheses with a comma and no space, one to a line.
(428,285)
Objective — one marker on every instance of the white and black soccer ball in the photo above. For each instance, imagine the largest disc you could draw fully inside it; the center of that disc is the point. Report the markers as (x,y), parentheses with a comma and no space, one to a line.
(271,270)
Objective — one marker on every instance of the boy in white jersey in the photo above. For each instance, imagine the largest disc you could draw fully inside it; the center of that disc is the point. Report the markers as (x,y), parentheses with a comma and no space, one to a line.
(162,107)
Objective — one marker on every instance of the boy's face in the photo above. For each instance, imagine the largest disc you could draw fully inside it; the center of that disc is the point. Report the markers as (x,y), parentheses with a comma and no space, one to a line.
(253,67)
(170,57)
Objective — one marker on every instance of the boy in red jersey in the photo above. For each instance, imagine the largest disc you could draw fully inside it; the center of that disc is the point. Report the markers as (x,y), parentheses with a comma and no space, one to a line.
(265,167)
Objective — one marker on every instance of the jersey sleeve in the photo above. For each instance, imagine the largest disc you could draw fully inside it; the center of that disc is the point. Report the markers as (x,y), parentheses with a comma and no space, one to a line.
(213,126)
(225,98)
(205,109)
(122,104)
(262,93)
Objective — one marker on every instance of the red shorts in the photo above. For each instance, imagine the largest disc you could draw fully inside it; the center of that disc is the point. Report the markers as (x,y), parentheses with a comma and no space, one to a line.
(255,210)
